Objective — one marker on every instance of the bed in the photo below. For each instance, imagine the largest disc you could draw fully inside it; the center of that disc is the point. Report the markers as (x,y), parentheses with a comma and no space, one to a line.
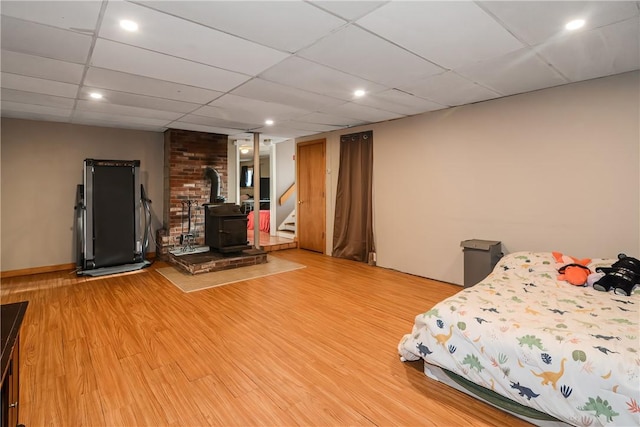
(265,221)
(569,353)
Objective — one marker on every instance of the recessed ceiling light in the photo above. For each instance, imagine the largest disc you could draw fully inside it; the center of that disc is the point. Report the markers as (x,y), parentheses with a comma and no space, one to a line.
(244,150)
(128,25)
(268,122)
(95,95)
(358,93)
(575,24)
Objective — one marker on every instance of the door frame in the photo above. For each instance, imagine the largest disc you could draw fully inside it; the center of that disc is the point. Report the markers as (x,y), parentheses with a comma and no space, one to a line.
(322,141)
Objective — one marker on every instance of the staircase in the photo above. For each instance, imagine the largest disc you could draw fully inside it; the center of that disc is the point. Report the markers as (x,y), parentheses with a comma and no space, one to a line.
(288,227)
(285,237)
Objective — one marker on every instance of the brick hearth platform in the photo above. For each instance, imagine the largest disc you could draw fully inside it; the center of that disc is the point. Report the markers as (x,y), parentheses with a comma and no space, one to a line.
(205,262)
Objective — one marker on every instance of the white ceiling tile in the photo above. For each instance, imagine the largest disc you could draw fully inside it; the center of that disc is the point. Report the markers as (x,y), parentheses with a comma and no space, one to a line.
(538,21)
(450,89)
(399,102)
(307,75)
(32,84)
(94,119)
(199,117)
(26,109)
(37,66)
(449,34)
(43,117)
(124,110)
(362,112)
(381,47)
(124,82)
(135,100)
(130,59)
(349,10)
(273,92)
(266,140)
(283,131)
(124,119)
(196,42)
(623,40)
(40,40)
(588,54)
(202,128)
(309,127)
(516,72)
(246,138)
(36,99)
(73,15)
(284,25)
(253,110)
(358,52)
(330,119)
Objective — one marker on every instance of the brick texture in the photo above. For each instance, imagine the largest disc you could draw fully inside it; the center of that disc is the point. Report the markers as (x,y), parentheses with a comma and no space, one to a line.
(205,263)
(186,155)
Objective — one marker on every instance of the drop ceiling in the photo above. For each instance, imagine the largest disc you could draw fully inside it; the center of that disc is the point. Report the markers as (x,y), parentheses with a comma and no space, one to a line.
(227,66)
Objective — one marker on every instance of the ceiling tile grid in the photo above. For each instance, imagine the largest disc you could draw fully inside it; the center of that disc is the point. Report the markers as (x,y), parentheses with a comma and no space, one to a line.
(517,72)
(537,22)
(38,66)
(357,52)
(265,90)
(100,78)
(450,34)
(196,43)
(36,85)
(41,40)
(67,15)
(284,25)
(21,110)
(147,63)
(215,116)
(227,66)
(32,98)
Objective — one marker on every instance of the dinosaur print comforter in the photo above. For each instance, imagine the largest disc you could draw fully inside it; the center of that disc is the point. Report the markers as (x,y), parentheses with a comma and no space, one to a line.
(571,352)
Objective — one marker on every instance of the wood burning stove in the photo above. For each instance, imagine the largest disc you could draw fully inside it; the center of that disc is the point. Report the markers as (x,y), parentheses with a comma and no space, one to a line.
(225,228)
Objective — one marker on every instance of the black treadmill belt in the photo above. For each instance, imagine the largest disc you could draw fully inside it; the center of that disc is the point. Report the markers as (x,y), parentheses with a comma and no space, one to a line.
(113,215)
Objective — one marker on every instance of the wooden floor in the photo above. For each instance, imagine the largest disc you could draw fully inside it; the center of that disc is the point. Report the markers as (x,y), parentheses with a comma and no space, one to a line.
(271,243)
(316,346)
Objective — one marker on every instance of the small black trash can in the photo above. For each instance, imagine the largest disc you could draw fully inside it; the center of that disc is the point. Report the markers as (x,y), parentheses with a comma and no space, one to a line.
(480,257)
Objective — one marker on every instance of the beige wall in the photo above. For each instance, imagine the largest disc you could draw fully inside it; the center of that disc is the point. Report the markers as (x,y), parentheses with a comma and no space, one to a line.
(557,169)
(42,164)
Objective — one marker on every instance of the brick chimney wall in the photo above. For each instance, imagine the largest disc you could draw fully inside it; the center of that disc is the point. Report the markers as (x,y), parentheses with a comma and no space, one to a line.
(186,155)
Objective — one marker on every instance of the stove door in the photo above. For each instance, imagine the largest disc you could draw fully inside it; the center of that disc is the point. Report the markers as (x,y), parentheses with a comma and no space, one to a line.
(233,231)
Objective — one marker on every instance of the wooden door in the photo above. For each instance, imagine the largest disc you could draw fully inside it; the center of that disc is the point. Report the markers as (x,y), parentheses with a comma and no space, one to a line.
(310,178)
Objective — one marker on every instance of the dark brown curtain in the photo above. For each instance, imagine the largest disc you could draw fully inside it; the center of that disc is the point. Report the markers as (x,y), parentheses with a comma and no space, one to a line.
(353,226)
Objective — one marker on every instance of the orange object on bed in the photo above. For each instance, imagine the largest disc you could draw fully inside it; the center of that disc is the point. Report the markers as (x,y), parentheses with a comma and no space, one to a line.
(265,220)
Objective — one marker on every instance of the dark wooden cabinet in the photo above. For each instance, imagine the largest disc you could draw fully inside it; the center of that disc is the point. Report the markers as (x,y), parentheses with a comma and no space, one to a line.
(11,316)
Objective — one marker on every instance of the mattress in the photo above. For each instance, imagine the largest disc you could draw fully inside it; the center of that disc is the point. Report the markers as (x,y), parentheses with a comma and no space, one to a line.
(265,221)
(567,351)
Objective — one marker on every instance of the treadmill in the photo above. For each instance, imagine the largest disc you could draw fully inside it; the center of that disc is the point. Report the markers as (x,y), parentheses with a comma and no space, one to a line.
(109,208)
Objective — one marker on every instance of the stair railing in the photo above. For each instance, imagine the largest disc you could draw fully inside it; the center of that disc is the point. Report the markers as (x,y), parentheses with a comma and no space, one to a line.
(285,196)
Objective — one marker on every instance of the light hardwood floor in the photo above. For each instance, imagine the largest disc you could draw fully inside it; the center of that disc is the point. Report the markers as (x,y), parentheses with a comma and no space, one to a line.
(315,346)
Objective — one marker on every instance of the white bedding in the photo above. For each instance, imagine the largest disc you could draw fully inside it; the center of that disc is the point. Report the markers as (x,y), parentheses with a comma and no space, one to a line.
(571,352)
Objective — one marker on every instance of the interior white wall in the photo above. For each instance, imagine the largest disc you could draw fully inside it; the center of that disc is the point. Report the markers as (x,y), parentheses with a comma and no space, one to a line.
(286,175)
(556,169)
(42,164)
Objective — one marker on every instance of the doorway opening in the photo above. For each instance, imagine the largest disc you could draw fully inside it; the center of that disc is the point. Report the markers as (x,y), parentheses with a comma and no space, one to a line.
(272,175)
